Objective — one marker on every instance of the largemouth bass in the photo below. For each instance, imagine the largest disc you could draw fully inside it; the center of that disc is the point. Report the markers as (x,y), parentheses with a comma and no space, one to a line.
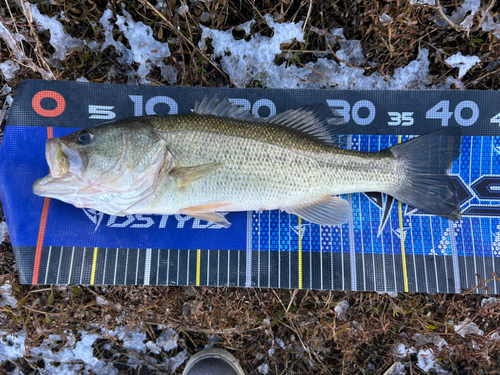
(221,158)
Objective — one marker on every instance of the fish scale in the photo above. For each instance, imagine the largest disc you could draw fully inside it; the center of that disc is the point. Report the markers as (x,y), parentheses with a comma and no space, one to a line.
(257,174)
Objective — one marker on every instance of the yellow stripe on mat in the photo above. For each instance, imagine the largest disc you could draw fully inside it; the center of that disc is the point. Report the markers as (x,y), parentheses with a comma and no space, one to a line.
(300,253)
(402,238)
(198,266)
(94,264)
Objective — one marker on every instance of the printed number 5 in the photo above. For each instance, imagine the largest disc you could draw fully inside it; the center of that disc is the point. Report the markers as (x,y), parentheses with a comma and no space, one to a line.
(403,118)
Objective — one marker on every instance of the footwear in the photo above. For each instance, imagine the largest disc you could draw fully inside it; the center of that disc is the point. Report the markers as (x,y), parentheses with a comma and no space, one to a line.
(213,361)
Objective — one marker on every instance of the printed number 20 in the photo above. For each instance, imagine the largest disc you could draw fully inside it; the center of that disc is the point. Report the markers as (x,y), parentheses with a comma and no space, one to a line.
(441,112)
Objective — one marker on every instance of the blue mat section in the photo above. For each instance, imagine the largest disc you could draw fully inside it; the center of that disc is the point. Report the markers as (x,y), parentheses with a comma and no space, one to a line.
(384,246)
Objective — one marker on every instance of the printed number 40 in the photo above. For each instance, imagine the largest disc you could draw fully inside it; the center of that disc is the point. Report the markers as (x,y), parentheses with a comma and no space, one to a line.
(441,111)
(496,119)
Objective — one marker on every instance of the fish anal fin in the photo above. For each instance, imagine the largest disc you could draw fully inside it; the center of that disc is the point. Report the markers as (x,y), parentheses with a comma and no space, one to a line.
(207,212)
(328,211)
(186,175)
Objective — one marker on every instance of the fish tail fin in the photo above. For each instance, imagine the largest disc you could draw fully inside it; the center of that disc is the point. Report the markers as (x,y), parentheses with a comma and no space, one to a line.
(427,186)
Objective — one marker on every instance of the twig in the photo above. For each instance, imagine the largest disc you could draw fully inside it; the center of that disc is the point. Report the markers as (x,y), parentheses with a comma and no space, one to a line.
(3,111)
(171,26)
(302,51)
(445,17)
(345,62)
(308,15)
(482,283)
(484,76)
(15,25)
(492,4)
(29,18)
(255,8)
(294,293)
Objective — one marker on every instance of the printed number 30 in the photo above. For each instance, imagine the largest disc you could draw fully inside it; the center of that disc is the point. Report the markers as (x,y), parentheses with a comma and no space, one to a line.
(403,118)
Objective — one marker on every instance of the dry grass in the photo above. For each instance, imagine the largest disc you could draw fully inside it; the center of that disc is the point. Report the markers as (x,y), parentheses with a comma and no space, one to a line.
(248,322)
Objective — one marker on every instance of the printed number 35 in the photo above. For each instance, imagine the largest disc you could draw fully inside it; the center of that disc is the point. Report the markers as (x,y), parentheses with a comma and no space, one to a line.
(400,118)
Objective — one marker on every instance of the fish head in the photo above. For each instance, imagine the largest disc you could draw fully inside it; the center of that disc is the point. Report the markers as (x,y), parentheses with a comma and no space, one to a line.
(108,168)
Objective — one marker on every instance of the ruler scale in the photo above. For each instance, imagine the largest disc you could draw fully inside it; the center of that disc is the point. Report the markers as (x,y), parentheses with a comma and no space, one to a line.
(385,246)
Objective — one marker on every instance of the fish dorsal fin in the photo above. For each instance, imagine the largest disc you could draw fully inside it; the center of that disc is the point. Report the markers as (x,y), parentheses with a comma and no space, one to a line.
(310,123)
(222,108)
(306,121)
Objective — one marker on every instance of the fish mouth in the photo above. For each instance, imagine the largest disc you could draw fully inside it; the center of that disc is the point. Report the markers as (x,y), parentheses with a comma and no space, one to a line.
(66,169)
(63,159)
(56,159)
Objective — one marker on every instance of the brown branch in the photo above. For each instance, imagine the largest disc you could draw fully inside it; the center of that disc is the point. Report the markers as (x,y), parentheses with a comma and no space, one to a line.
(445,17)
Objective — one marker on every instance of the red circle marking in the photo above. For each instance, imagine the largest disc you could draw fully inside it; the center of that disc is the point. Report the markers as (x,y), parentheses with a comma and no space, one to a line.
(37,99)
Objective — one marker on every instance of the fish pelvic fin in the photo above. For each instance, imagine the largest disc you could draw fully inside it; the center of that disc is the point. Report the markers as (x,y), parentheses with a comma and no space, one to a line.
(187,175)
(328,211)
(426,159)
(207,212)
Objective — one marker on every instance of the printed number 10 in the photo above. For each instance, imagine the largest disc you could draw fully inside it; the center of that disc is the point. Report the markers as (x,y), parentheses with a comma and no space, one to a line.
(441,112)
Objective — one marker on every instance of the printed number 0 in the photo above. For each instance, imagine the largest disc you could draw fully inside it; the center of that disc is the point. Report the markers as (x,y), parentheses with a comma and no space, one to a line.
(441,111)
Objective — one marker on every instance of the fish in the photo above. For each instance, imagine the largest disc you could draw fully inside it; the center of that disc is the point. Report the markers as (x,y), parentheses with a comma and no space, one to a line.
(220,158)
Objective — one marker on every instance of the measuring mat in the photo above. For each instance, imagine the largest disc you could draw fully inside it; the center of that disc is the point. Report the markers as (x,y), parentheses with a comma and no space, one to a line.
(385,246)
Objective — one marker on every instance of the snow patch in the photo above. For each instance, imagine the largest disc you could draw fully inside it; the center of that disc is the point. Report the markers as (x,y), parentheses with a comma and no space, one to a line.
(3,225)
(464,63)
(59,38)
(65,358)
(244,67)
(423,2)
(263,369)
(341,310)
(245,61)
(175,362)
(246,26)
(427,361)
(9,69)
(401,351)
(12,346)
(397,368)
(429,338)
(183,9)
(7,298)
(490,302)
(99,300)
(144,50)
(391,294)
(466,327)
(12,41)
(385,18)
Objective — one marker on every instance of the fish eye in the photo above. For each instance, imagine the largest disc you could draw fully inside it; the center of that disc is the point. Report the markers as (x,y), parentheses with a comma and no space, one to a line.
(84,137)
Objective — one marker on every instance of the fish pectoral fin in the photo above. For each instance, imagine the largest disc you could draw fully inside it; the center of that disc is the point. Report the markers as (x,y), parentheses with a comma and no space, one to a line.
(328,211)
(207,213)
(186,175)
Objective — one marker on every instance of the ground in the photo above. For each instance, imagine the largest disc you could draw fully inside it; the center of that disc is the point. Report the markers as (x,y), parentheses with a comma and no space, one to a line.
(290,331)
